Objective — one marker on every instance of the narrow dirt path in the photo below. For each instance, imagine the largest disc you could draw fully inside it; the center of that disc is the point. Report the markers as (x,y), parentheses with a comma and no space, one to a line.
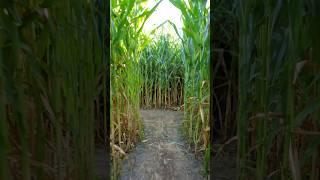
(162,155)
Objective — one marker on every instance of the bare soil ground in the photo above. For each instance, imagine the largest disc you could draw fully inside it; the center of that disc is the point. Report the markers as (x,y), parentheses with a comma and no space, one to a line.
(101,162)
(163,154)
(224,163)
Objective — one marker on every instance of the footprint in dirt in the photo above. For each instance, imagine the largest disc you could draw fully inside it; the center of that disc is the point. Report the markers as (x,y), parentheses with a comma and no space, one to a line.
(162,155)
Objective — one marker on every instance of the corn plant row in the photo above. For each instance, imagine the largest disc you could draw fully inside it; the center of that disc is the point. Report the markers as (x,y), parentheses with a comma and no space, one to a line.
(162,73)
(48,87)
(278,112)
(127,41)
(195,57)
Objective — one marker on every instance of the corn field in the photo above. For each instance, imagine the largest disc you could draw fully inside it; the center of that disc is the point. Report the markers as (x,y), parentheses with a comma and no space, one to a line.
(162,73)
(158,72)
(49,86)
(243,72)
(272,47)
(195,15)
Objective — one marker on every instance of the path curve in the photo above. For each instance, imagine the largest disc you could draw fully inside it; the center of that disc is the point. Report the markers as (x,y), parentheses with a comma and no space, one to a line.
(162,155)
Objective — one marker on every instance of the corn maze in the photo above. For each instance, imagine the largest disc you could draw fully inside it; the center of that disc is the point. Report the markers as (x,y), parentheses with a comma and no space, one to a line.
(232,92)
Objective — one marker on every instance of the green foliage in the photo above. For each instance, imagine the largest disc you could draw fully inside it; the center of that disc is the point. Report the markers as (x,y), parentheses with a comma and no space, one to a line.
(274,45)
(127,42)
(162,73)
(51,57)
(195,57)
